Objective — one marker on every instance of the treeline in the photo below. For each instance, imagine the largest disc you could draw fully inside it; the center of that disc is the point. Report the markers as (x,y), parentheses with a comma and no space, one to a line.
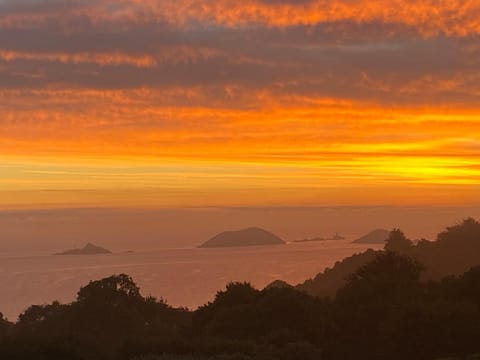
(455,251)
(386,309)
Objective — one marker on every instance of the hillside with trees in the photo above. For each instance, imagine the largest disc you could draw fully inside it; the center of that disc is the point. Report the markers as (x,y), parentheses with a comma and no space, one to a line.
(455,251)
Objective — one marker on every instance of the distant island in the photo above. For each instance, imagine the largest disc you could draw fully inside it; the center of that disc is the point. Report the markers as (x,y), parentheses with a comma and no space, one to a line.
(89,249)
(334,237)
(378,236)
(246,237)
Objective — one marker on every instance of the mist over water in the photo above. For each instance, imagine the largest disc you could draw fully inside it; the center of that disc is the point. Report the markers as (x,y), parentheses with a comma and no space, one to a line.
(184,277)
(54,230)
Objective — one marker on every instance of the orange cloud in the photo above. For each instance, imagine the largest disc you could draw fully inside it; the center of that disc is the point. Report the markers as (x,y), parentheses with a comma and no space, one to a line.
(428,17)
(137,123)
(251,102)
(96,58)
(165,54)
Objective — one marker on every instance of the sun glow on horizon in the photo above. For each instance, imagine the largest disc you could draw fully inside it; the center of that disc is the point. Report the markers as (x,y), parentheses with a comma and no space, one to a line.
(225,103)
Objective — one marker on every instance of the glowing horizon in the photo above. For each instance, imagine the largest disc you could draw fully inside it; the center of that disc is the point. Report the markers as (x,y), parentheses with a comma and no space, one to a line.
(227,103)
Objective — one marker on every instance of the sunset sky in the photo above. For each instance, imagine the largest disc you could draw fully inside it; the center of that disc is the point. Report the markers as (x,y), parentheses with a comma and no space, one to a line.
(176,103)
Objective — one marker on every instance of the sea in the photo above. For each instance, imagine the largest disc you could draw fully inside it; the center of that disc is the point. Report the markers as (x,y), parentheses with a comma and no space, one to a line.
(186,277)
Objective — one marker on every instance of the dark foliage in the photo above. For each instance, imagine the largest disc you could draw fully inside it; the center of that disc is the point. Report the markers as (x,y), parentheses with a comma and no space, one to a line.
(5,327)
(397,242)
(327,283)
(456,250)
(107,316)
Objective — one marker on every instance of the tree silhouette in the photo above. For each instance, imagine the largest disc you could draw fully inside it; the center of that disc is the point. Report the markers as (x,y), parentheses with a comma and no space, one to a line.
(111,289)
(236,293)
(372,293)
(387,267)
(397,242)
(456,250)
(4,326)
(467,231)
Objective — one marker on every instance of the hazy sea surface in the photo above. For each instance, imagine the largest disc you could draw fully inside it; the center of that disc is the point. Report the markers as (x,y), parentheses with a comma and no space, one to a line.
(184,277)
